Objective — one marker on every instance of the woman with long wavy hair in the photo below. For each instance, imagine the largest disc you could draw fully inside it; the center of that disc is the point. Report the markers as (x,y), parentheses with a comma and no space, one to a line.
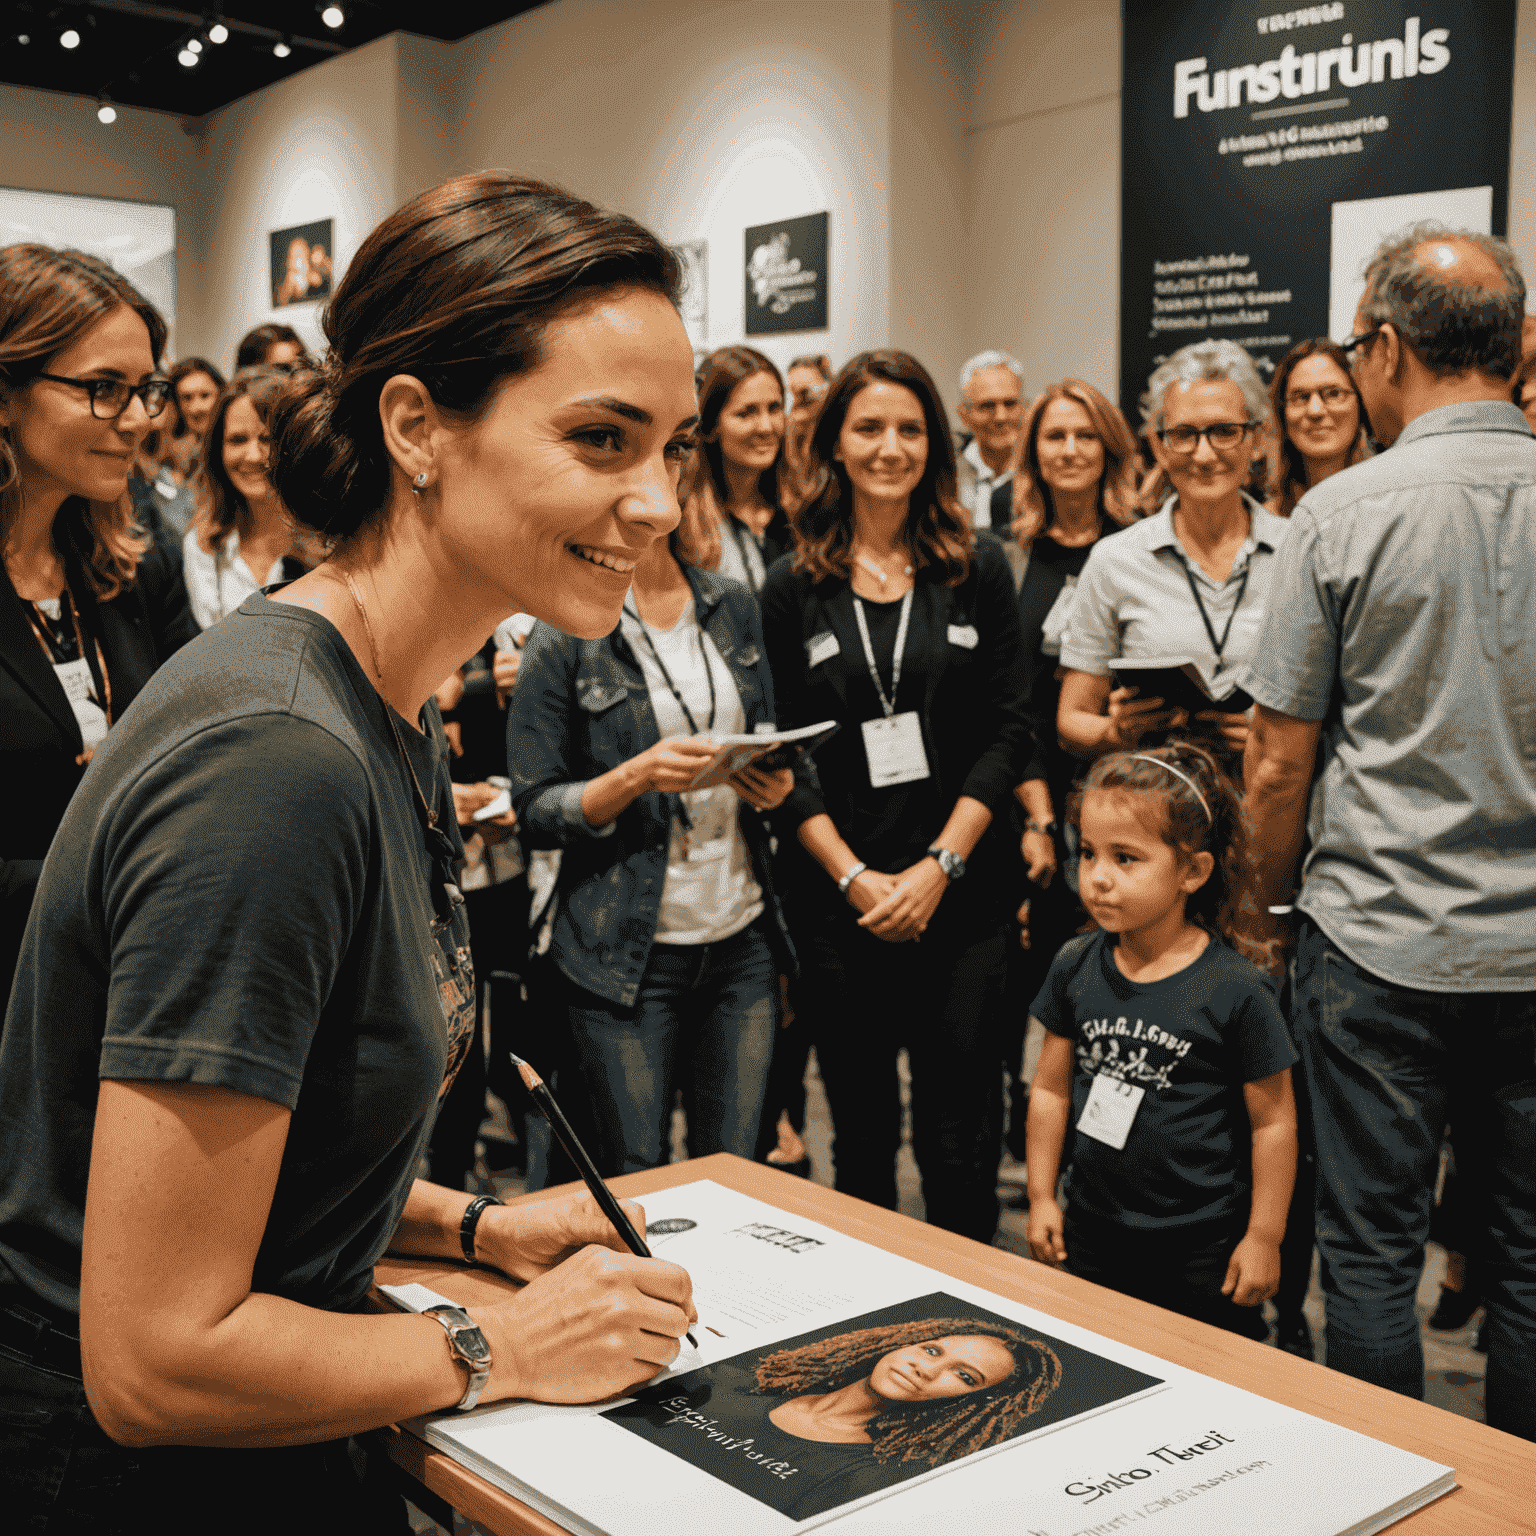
(733,484)
(242,538)
(898,620)
(89,605)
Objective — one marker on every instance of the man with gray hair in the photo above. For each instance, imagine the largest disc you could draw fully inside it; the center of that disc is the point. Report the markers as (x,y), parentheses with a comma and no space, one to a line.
(992,408)
(1401,632)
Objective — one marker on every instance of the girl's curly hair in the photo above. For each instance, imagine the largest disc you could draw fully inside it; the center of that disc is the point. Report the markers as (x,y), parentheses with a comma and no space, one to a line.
(1226,904)
(935,1432)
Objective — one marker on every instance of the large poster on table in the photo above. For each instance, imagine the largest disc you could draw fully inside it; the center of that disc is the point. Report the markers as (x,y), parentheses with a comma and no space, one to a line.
(1265,153)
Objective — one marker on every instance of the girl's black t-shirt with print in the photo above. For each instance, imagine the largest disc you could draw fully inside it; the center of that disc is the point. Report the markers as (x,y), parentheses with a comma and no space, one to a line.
(1190,1041)
(241,895)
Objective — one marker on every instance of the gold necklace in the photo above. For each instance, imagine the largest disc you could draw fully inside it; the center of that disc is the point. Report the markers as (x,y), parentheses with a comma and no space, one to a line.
(389,714)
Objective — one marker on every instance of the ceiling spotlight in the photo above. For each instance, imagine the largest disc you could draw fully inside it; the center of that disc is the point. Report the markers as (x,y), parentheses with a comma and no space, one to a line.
(106,112)
(218,33)
(23,39)
(69,38)
(281,48)
(194,45)
(187,59)
(333,16)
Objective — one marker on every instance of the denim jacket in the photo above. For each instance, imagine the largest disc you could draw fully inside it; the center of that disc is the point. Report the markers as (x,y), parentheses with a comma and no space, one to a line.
(581,708)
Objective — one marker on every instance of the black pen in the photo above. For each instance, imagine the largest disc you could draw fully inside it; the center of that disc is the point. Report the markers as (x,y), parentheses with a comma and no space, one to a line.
(578,1155)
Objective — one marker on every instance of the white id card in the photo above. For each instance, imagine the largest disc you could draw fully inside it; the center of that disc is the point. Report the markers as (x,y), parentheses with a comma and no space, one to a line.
(1110,1110)
(75,679)
(894,748)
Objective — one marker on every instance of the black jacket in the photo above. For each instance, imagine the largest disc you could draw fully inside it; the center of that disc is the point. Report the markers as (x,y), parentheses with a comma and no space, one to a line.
(973,712)
(40,740)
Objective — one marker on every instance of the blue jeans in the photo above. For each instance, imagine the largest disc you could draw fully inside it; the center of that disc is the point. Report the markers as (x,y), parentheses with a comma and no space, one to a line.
(1388,1068)
(703,1021)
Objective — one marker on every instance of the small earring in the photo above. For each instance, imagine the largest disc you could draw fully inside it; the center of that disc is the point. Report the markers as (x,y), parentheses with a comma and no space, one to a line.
(419,484)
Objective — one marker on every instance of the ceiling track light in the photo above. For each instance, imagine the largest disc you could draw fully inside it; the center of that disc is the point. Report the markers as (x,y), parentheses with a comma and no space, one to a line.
(69,38)
(218,33)
(194,45)
(282,47)
(105,111)
(187,59)
(332,15)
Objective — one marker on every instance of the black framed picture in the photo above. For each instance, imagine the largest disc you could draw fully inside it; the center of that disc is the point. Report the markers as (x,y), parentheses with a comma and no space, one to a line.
(786,275)
(302,263)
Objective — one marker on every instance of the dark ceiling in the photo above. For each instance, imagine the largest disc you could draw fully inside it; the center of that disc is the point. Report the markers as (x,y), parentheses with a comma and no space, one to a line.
(128,48)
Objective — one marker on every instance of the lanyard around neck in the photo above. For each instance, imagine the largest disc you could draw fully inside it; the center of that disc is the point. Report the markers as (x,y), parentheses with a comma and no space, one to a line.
(886,704)
(43,632)
(1216,645)
(709,671)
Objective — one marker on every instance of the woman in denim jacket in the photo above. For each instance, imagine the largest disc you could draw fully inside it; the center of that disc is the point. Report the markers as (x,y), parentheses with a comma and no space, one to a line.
(667,933)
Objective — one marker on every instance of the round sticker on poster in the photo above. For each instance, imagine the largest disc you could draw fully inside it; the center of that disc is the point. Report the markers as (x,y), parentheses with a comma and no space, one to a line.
(668,1227)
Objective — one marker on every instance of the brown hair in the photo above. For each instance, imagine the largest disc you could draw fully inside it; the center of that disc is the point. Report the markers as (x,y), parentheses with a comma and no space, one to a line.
(184,369)
(1523,375)
(1033,512)
(935,1432)
(220,506)
(1293,468)
(48,300)
(1226,904)
(938,530)
(255,344)
(455,289)
(817,360)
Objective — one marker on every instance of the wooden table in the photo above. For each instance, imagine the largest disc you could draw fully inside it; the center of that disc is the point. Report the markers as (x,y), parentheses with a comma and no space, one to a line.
(1496,1472)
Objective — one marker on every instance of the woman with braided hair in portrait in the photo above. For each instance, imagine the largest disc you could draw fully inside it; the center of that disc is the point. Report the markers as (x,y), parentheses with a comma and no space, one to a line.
(863,1411)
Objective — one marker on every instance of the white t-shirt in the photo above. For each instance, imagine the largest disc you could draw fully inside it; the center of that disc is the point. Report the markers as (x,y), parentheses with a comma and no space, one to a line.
(710,890)
(218,584)
(741,556)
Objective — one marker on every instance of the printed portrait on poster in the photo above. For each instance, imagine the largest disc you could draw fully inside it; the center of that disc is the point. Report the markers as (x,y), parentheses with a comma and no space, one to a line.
(693,258)
(849,1412)
(302,263)
(786,275)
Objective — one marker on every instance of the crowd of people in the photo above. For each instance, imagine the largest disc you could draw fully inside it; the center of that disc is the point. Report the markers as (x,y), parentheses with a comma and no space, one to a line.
(1278,928)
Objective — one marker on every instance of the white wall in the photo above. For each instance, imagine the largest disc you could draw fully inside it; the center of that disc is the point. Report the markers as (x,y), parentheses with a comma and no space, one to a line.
(700,119)
(322,144)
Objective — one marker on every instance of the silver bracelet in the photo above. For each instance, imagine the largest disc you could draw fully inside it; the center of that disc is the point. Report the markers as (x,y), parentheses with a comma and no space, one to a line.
(848,879)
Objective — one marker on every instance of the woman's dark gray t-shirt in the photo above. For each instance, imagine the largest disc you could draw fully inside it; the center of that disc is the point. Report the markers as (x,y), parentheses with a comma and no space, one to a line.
(240,894)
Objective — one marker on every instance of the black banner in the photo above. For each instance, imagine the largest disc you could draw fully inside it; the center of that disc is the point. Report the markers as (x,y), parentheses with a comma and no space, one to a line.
(1265,154)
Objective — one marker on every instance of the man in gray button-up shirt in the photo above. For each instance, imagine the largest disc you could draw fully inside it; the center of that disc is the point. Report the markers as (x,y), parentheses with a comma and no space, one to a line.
(1401,630)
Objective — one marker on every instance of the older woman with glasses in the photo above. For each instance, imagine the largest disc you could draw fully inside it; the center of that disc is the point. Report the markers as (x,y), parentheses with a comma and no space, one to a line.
(89,606)
(1323,428)
(1187,583)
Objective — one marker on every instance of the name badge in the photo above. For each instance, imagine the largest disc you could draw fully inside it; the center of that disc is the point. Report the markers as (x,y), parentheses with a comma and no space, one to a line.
(1110,1110)
(822,648)
(708,853)
(78,685)
(894,749)
(963,635)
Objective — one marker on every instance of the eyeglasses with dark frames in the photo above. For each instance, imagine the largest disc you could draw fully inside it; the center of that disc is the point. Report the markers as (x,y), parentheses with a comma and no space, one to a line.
(1352,344)
(110,397)
(1334,397)
(1220,435)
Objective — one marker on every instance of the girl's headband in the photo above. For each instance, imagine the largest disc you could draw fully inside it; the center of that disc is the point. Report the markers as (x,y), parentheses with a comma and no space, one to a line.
(1178,773)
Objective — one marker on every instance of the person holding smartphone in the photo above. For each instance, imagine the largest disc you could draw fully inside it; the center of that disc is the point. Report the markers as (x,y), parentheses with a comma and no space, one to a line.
(1189,581)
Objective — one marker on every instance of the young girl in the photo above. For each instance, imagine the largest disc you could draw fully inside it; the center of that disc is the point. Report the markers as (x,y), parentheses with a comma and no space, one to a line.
(1166,1050)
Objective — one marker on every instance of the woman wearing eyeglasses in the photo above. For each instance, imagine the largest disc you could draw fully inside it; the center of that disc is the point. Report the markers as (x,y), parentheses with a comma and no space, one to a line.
(1187,582)
(1323,426)
(89,606)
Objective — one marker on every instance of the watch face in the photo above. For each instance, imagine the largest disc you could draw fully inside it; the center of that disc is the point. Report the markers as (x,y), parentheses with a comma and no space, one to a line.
(471,1345)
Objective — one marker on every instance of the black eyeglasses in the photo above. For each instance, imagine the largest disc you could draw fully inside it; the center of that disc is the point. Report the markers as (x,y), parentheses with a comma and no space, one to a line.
(1353,344)
(1220,435)
(110,397)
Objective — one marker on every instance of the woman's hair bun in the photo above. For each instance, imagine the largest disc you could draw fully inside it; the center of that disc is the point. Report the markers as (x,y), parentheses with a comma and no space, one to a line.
(316,467)
(455,290)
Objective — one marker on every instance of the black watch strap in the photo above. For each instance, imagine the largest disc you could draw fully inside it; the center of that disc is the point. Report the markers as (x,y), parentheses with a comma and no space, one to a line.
(472,1214)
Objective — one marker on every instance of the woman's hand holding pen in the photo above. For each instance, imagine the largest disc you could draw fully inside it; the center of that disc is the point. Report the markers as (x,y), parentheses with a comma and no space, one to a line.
(592,1327)
(909,902)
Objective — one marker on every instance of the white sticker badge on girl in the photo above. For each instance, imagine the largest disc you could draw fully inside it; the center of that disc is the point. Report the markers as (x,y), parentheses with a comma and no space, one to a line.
(1111,1110)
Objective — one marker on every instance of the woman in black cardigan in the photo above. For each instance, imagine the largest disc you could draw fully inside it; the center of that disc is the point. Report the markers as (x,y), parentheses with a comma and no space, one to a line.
(895,618)
(89,607)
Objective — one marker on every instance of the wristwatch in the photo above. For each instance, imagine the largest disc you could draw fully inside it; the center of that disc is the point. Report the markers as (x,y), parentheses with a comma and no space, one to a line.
(1031,825)
(951,863)
(469,1348)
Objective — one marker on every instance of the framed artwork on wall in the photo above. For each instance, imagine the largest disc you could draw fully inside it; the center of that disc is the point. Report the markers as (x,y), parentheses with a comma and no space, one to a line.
(302,263)
(693,255)
(786,275)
